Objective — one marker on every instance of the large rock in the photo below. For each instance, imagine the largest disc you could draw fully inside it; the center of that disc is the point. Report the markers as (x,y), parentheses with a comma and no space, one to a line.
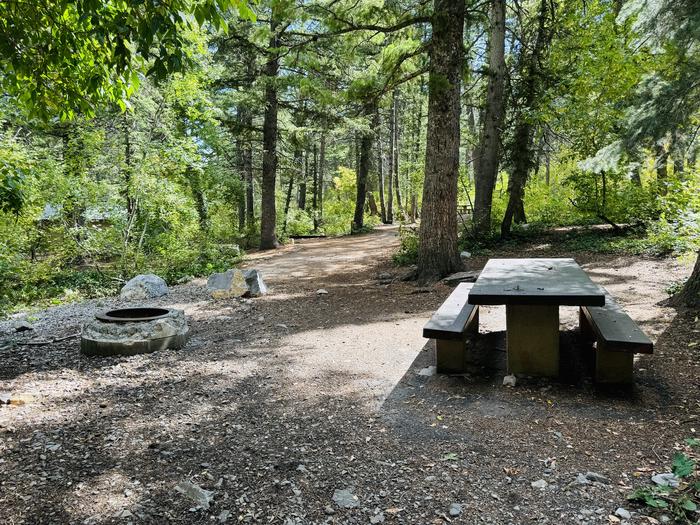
(255,283)
(144,287)
(231,283)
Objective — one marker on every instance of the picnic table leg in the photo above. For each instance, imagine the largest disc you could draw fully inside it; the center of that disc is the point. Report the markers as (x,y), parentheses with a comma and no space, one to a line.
(533,339)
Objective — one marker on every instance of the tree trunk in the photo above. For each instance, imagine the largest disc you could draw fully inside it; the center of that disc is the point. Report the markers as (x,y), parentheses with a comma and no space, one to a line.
(486,159)
(321,177)
(128,170)
(372,202)
(390,166)
(380,166)
(397,132)
(268,219)
(523,135)
(690,294)
(472,153)
(301,201)
(195,181)
(362,173)
(437,250)
(315,179)
(241,175)
(661,168)
(297,170)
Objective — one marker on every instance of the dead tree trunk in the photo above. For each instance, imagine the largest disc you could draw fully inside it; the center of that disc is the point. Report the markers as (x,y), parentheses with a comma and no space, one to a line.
(437,250)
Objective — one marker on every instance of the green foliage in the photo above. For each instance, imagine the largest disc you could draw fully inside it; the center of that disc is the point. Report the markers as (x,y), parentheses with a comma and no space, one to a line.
(408,246)
(682,501)
(63,58)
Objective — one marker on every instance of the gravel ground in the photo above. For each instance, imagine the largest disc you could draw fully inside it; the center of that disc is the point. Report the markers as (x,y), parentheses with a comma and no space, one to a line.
(305,408)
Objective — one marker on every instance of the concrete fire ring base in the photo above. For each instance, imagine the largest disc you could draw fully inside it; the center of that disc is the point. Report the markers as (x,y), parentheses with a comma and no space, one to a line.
(93,347)
(130,338)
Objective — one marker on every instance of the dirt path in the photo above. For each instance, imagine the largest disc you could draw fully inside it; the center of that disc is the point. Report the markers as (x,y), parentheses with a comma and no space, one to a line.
(279,403)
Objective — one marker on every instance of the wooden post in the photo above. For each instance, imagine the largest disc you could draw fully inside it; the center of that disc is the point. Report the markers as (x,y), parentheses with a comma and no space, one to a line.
(533,339)
(450,356)
(613,367)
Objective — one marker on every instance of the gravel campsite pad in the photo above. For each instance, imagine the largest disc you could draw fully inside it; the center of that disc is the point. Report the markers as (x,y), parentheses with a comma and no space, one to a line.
(309,407)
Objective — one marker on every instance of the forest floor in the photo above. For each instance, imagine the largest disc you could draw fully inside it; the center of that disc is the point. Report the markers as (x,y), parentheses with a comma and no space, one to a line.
(304,408)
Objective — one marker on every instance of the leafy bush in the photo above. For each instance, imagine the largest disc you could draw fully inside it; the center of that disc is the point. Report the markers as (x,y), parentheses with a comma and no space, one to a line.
(408,246)
(682,501)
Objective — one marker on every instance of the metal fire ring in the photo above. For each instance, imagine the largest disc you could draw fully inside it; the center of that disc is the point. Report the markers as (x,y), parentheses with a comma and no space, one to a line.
(132,315)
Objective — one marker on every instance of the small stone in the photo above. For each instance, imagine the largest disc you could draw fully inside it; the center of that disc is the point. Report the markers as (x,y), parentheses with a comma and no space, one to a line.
(465,255)
(539,484)
(195,493)
(282,326)
(623,513)
(427,371)
(510,380)
(223,516)
(666,480)
(455,509)
(344,498)
(329,510)
(665,518)
(377,518)
(581,479)
(321,291)
(599,478)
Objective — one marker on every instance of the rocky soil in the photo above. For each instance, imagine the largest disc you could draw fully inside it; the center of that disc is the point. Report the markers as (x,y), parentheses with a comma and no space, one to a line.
(300,407)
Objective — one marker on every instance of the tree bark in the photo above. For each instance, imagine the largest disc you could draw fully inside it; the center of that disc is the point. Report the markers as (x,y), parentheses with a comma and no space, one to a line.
(315,193)
(380,166)
(301,201)
(321,176)
(365,151)
(390,168)
(437,250)
(395,164)
(268,219)
(486,159)
(297,169)
(662,168)
(690,293)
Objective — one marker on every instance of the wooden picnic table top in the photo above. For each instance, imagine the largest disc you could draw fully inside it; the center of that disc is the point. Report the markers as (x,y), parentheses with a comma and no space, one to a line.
(535,282)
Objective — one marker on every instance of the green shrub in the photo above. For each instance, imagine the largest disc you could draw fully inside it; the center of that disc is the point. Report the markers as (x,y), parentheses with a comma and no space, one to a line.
(408,246)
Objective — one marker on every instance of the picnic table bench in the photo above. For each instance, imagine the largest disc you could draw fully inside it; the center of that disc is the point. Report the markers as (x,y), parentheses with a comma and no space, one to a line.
(451,326)
(532,291)
(617,338)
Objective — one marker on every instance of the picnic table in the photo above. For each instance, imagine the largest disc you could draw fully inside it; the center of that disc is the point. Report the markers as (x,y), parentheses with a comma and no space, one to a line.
(532,291)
